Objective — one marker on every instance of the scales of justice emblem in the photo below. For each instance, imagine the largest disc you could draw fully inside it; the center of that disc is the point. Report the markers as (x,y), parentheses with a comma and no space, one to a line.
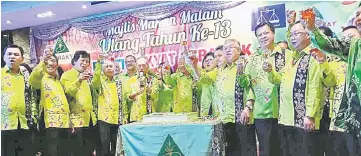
(273,19)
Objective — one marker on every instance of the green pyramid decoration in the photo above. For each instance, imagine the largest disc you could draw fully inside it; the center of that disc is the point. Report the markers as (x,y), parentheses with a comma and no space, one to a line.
(60,46)
(170,148)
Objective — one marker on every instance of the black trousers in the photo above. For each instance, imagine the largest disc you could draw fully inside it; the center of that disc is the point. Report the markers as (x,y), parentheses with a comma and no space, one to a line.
(240,139)
(18,142)
(108,136)
(267,136)
(336,144)
(353,144)
(56,138)
(84,140)
(324,133)
(297,142)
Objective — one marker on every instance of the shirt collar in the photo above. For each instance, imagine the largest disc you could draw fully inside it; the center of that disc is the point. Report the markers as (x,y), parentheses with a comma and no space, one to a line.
(50,76)
(8,70)
(306,51)
(276,49)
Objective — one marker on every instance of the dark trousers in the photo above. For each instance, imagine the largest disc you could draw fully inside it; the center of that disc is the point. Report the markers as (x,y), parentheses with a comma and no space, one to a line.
(323,133)
(108,136)
(297,142)
(353,144)
(56,138)
(240,139)
(267,136)
(336,144)
(18,142)
(85,140)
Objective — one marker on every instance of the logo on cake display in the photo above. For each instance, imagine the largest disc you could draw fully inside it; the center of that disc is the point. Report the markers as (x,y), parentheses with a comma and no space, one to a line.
(170,148)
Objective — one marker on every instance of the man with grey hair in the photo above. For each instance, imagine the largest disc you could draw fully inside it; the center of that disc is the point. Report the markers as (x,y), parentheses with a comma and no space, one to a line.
(109,104)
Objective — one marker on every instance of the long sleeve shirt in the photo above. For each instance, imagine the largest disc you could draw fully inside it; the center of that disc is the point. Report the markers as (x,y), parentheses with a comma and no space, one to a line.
(53,100)
(350,117)
(207,99)
(265,93)
(125,103)
(137,107)
(224,81)
(336,93)
(163,97)
(17,100)
(81,104)
(301,89)
(108,100)
(182,85)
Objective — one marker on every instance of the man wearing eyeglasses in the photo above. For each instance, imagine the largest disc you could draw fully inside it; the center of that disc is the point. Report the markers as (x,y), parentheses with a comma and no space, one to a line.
(131,65)
(266,99)
(301,95)
(348,49)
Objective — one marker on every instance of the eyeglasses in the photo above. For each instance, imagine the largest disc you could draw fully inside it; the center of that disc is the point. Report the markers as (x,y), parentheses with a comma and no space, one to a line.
(297,34)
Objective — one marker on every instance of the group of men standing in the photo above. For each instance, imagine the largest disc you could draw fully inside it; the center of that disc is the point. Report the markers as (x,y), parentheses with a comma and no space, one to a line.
(304,100)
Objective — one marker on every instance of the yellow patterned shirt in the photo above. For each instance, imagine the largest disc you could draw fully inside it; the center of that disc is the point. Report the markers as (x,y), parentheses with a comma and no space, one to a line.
(81,107)
(108,102)
(53,99)
(13,105)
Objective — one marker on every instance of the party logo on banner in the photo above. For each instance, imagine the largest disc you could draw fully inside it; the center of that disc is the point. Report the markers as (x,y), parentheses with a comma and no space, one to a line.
(170,148)
(60,46)
(275,14)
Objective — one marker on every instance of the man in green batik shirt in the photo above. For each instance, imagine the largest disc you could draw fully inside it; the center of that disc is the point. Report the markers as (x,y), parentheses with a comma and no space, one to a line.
(231,87)
(301,95)
(348,49)
(163,98)
(183,84)
(266,94)
(207,108)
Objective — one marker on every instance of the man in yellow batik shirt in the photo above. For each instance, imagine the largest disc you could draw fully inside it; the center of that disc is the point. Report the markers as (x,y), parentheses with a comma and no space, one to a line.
(231,87)
(301,95)
(109,100)
(18,108)
(53,103)
(77,86)
(138,92)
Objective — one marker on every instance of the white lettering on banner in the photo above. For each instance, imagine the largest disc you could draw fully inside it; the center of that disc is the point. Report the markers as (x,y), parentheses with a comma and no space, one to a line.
(112,45)
(192,17)
(163,39)
(153,24)
(124,28)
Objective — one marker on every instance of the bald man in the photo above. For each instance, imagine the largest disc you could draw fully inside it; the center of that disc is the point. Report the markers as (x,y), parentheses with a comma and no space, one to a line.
(109,104)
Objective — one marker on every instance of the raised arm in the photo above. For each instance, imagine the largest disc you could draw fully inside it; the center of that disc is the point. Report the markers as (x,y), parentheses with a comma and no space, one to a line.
(96,82)
(37,75)
(71,84)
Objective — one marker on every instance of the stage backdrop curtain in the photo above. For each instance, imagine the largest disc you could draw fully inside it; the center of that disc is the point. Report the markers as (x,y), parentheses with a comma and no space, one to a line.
(102,22)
